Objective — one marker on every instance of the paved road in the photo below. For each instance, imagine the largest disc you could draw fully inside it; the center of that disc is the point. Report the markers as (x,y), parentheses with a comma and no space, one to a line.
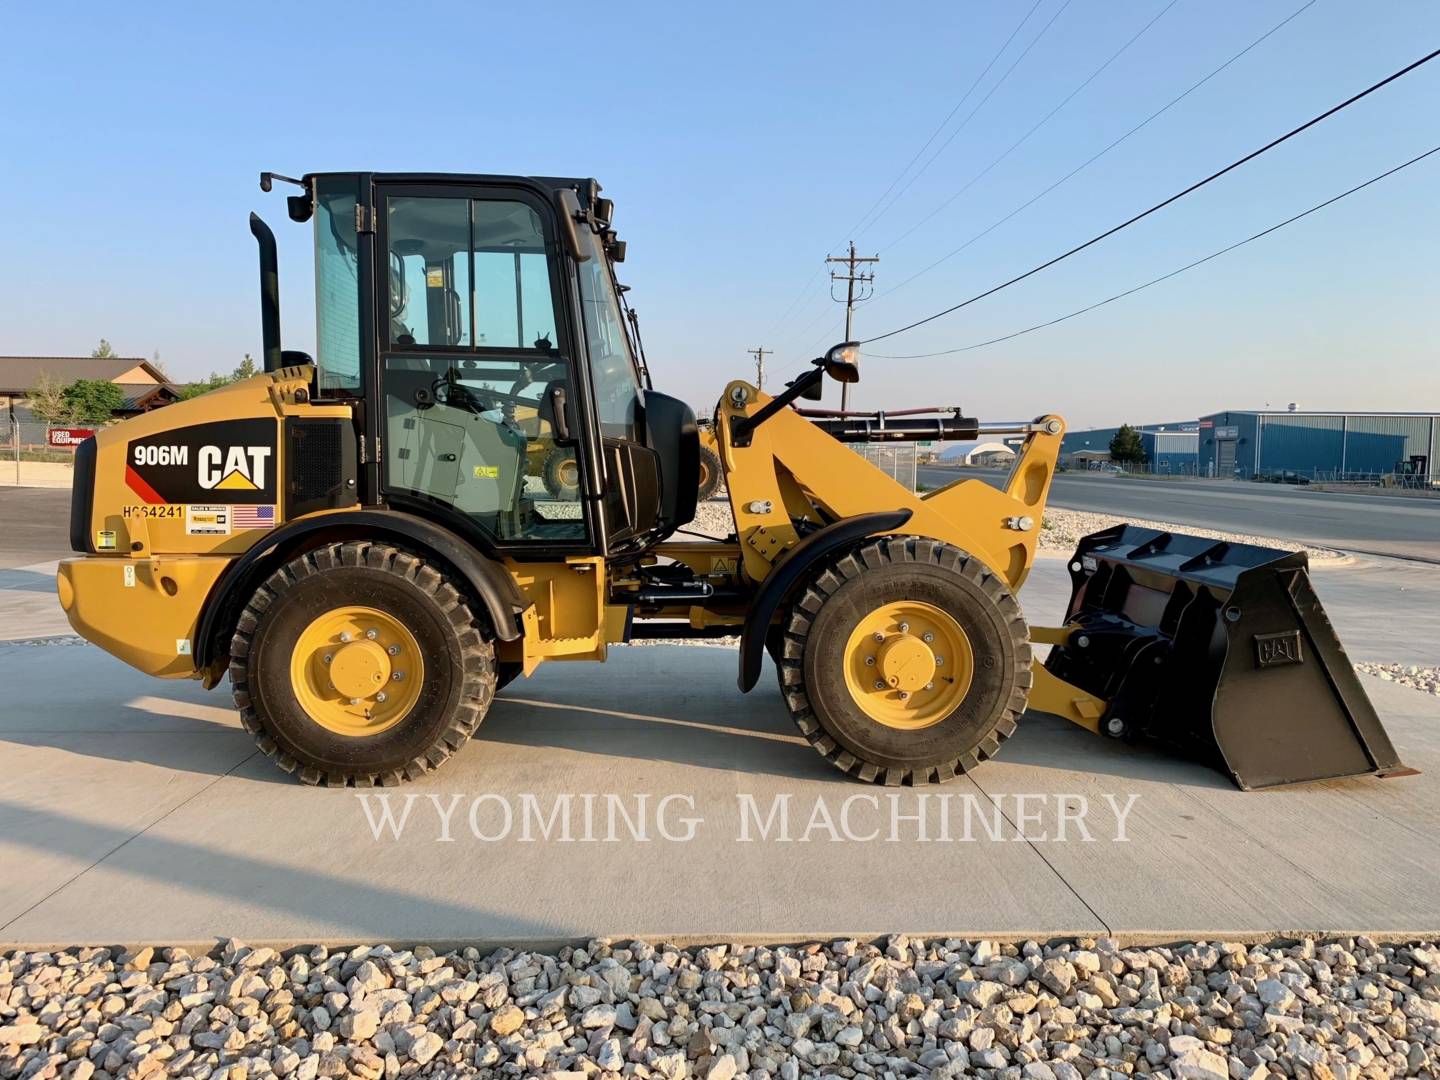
(135,809)
(34,525)
(1376,524)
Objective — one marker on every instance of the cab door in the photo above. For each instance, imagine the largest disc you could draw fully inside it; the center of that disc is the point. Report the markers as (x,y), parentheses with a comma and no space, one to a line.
(478,377)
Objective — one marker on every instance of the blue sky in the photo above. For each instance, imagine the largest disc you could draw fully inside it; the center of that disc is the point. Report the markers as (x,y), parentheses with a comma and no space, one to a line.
(742,143)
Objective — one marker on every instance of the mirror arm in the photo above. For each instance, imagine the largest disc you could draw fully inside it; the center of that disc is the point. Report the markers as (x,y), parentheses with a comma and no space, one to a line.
(569,206)
(742,430)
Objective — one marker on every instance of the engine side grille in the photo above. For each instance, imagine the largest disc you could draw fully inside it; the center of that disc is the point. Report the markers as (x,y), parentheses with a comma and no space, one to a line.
(319,465)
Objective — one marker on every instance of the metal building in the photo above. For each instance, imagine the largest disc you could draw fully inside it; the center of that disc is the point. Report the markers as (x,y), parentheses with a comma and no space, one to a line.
(1175,453)
(1169,447)
(1319,445)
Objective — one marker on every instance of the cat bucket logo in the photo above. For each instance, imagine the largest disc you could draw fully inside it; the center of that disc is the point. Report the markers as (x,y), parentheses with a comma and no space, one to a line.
(232,461)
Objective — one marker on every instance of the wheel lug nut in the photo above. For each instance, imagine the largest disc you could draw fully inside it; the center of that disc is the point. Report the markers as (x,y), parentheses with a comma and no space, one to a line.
(939,661)
(879,636)
(328,658)
(380,696)
(394,650)
(903,695)
(344,635)
(879,685)
(372,634)
(869,661)
(904,628)
(396,676)
(927,637)
(354,701)
(929,686)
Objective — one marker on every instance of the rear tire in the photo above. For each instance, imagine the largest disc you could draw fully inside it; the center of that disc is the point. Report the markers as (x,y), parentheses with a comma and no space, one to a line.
(562,474)
(392,612)
(962,707)
(710,473)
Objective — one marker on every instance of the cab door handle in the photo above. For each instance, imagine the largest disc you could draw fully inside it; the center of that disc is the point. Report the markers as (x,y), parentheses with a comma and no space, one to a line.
(559,411)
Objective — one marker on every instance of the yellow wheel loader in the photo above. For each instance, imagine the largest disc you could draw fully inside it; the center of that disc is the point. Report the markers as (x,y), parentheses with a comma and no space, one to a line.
(369,542)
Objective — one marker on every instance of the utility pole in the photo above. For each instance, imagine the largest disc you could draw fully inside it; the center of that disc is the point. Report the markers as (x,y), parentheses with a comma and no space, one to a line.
(760,355)
(865,279)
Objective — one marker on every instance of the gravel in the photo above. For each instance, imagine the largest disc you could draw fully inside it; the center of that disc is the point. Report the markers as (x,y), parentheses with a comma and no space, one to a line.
(908,1007)
(1061,530)
(1424,679)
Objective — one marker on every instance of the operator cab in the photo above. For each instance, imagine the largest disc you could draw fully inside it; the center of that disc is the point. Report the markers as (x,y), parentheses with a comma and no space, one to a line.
(477,324)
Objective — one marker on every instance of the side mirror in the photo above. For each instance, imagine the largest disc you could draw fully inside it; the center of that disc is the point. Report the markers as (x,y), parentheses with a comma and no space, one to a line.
(842,362)
(568,204)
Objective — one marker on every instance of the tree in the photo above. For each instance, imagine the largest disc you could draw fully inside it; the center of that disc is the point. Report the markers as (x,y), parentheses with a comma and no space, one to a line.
(46,400)
(93,400)
(104,349)
(1126,447)
(245,370)
(203,386)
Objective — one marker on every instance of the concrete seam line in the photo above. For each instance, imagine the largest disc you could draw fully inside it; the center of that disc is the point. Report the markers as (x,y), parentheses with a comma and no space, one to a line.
(1031,845)
(81,873)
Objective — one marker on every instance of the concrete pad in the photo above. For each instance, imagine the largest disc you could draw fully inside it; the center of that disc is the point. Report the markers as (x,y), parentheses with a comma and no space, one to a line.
(1202,856)
(135,809)
(258,856)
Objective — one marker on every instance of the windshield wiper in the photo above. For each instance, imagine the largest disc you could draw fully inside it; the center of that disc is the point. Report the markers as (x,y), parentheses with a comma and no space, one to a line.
(633,330)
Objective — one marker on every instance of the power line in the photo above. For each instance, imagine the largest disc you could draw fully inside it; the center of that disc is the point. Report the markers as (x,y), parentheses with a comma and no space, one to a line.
(1173,273)
(1038,125)
(971,114)
(916,157)
(1166,202)
(948,117)
(1098,155)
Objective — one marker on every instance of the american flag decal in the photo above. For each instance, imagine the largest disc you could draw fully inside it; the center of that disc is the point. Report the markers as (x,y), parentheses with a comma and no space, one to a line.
(253,517)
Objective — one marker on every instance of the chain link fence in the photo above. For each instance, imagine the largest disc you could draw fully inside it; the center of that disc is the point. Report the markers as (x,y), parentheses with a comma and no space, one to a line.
(895,460)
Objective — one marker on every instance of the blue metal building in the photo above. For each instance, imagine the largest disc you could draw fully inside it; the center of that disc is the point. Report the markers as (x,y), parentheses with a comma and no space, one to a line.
(1250,443)
(1173,452)
(1169,447)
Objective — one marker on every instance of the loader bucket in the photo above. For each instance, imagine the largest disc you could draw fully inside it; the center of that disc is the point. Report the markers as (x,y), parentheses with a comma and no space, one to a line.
(1221,650)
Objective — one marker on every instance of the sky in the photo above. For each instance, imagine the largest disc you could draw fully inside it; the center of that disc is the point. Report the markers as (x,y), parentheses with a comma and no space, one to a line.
(742,144)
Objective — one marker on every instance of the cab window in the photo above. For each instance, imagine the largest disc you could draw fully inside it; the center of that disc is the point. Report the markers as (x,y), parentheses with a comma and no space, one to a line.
(468,273)
(479,436)
(337,287)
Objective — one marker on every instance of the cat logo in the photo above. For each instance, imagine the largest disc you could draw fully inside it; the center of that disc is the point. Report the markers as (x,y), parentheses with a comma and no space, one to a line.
(230,461)
(235,468)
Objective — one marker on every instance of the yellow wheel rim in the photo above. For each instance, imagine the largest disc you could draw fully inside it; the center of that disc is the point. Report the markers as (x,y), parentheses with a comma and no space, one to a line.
(908,665)
(357,671)
(569,473)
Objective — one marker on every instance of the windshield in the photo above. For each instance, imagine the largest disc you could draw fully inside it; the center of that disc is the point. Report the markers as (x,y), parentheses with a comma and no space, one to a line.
(612,368)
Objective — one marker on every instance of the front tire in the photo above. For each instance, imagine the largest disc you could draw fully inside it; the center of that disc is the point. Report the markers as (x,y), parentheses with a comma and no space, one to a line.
(360,664)
(906,661)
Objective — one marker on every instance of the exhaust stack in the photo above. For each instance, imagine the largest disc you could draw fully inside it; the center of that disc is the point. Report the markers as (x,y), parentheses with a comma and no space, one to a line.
(269,293)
